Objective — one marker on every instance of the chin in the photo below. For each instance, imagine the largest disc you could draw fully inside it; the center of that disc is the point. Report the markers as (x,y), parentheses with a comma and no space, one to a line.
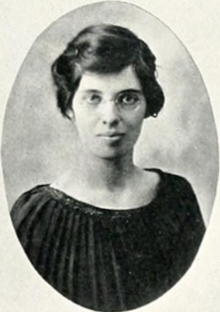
(110,154)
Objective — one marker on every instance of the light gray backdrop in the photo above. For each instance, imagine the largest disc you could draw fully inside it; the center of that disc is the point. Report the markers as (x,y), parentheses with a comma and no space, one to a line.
(38,143)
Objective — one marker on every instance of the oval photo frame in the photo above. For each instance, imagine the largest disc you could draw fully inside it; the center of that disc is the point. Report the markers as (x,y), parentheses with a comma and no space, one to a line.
(184,142)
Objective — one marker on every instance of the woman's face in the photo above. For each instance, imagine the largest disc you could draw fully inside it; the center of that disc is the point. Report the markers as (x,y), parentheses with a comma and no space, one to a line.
(109,110)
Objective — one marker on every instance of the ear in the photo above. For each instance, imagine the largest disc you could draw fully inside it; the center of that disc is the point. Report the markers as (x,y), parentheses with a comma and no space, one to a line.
(70,114)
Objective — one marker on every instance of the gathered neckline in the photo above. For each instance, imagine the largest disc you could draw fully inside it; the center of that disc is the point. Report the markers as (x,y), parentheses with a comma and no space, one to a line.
(96,257)
(68,199)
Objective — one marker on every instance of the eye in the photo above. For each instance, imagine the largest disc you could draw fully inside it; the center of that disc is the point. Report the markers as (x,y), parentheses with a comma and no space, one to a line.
(128,100)
(92,99)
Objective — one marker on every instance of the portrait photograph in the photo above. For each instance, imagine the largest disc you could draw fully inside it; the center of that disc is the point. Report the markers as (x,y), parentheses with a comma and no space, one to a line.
(110,157)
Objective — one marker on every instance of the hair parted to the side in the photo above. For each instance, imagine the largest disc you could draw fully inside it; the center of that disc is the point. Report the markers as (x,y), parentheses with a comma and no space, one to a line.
(106,49)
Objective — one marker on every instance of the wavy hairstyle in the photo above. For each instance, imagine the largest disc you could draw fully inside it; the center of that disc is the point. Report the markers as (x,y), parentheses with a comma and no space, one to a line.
(106,49)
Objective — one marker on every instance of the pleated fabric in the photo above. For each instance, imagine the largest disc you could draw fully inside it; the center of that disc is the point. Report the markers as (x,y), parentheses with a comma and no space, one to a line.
(110,260)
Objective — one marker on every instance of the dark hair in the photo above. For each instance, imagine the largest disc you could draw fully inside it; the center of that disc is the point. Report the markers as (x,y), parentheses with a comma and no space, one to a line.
(106,49)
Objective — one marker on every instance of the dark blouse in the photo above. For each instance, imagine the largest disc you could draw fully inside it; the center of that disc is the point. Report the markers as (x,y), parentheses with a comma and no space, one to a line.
(110,260)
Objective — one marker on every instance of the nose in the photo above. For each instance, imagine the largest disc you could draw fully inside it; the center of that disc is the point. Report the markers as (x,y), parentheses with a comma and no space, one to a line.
(109,113)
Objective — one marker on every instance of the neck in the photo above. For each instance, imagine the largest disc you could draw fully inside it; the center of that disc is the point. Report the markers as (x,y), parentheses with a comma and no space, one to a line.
(108,173)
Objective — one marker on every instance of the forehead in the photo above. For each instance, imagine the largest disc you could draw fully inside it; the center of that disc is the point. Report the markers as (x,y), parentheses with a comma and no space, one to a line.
(126,79)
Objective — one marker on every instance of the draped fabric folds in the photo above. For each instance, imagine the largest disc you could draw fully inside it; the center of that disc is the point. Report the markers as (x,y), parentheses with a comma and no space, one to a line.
(105,259)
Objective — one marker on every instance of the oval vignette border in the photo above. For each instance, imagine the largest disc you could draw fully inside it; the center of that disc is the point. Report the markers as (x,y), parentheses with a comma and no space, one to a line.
(55,22)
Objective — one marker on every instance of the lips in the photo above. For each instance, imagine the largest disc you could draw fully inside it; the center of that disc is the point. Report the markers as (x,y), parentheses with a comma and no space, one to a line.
(111,136)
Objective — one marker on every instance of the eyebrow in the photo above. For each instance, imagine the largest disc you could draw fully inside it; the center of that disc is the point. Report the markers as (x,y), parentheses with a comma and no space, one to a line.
(133,91)
(92,91)
(137,91)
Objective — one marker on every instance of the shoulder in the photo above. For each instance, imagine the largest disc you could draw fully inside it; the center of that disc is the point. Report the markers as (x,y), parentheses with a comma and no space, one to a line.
(179,190)
(175,185)
(31,203)
(180,199)
(177,194)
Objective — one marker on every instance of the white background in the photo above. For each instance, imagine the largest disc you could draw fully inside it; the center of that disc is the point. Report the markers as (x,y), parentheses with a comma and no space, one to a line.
(197,25)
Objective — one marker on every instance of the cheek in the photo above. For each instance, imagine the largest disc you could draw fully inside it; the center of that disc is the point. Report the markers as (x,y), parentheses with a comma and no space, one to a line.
(135,123)
(79,116)
(84,125)
(137,129)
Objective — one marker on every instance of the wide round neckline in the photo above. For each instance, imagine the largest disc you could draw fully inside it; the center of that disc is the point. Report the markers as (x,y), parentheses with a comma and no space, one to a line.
(69,199)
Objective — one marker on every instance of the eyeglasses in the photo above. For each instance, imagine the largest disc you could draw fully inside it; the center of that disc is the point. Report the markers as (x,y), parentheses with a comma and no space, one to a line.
(128,100)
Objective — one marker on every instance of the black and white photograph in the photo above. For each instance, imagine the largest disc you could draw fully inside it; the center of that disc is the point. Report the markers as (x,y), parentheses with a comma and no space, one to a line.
(110,161)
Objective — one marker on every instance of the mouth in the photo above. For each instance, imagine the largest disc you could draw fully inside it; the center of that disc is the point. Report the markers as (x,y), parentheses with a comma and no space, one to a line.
(109,136)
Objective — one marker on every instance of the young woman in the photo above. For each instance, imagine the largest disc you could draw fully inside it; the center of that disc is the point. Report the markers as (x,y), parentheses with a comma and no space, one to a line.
(109,235)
